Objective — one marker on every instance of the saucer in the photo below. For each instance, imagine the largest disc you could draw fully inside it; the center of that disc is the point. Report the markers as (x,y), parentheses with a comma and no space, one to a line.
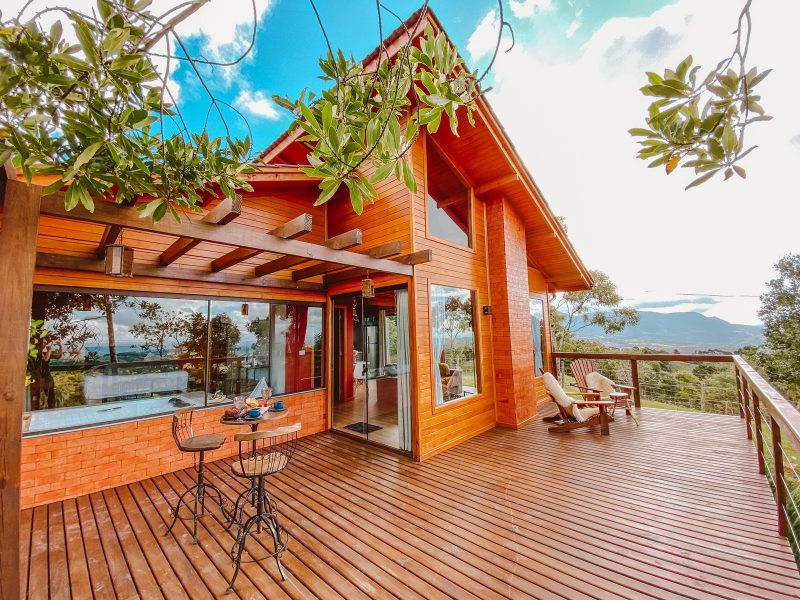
(272,409)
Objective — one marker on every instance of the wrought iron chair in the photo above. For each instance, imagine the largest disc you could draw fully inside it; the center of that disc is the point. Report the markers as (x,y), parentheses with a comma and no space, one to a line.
(261,454)
(198,445)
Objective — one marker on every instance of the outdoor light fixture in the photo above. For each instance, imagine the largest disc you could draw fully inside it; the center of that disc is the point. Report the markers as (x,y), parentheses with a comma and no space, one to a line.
(119,260)
(87,303)
(245,309)
(367,288)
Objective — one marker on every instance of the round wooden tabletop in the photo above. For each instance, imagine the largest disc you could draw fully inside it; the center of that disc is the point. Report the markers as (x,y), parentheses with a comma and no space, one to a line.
(266,417)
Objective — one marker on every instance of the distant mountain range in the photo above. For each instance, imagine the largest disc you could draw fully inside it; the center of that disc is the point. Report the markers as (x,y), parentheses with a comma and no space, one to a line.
(686,331)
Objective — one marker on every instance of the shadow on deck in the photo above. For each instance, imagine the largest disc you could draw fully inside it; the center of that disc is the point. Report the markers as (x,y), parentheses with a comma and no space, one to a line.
(674,508)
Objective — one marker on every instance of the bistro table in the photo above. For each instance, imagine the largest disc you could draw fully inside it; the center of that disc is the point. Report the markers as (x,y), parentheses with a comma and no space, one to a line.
(266,417)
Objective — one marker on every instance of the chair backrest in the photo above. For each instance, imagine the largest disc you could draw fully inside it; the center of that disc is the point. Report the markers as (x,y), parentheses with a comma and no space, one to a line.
(267,452)
(559,396)
(182,425)
(455,384)
(581,367)
(444,369)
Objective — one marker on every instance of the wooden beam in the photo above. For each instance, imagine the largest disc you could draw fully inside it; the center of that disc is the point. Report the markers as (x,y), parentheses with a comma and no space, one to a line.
(345,240)
(17,260)
(230,235)
(110,235)
(496,183)
(267,174)
(298,226)
(77,263)
(452,200)
(223,213)
(416,258)
(382,251)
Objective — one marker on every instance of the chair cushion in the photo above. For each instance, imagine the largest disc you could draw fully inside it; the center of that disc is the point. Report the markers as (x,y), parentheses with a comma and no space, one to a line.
(263,465)
(596,381)
(206,441)
(586,413)
(560,396)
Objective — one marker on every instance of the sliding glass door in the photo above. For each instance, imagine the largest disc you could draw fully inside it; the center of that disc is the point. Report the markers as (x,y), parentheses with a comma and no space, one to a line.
(372,379)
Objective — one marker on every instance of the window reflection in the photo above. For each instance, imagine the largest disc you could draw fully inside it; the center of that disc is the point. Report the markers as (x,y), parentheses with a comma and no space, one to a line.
(448,205)
(113,357)
(454,347)
(538,332)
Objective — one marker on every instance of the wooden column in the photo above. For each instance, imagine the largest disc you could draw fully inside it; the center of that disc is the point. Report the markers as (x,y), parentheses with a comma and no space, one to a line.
(739,391)
(17,261)
(637,393)
(780,482)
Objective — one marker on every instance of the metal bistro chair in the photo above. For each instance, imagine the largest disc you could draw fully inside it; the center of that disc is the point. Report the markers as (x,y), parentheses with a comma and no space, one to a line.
(261,454)
(198,445)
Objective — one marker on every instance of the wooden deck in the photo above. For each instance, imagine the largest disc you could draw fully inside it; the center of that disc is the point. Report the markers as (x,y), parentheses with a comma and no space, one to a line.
(672,509)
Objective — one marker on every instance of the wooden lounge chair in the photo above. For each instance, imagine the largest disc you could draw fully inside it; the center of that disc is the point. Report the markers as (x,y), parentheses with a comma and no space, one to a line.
(576,414)
(599,384)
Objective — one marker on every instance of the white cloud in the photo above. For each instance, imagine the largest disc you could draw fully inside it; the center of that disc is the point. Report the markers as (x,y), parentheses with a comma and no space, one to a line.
(523,9)
(256,104)
(569,121)
(484,38)
(572,28)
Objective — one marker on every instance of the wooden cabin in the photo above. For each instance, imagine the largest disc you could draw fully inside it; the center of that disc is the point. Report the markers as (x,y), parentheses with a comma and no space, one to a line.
(424,323)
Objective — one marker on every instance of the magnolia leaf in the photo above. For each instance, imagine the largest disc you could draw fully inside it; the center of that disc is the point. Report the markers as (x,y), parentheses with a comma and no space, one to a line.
(672,163)
(740,171)
(702,179)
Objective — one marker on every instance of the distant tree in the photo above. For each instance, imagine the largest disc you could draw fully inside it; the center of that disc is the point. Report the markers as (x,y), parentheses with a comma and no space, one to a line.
(779,357)
(158,327)
(457,319)
(704,370)
(108,305)
(600,306)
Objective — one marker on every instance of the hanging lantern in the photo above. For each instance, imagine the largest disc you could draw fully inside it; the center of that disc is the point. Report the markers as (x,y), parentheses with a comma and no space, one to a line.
(119,260)
(245,309)
(86,303)
(367,288)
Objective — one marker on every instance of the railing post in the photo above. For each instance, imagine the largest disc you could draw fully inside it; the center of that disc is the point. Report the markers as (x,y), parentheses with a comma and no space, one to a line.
(780,482)
(737,375)
(759,432)
(637,395)
(747,415)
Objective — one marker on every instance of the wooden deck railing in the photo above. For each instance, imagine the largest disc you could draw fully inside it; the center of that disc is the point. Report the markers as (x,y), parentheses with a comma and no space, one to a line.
(771,421)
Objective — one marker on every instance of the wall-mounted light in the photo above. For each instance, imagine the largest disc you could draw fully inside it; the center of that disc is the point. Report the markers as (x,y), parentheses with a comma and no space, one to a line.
(119,260)
(367,288)
(86,303)
(245,309)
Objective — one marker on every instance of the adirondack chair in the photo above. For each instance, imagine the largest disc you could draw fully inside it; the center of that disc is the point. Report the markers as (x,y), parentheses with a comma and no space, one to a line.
(575,413)
(589,381)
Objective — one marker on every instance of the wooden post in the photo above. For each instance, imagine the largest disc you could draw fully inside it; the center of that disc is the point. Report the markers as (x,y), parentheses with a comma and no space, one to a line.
(780,482)
(637,393)
(747,415)
(759,432)
(17,262)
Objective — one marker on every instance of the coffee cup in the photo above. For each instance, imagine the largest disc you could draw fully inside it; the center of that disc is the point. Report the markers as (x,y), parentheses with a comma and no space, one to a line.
(278,405)
(254,413)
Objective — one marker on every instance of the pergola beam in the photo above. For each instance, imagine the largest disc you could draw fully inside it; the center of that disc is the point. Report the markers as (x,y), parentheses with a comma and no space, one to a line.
(77,263)
(107,213)
(345,240)
(383,251)
(110,236)
(223,213)
(415,258)
(298,226)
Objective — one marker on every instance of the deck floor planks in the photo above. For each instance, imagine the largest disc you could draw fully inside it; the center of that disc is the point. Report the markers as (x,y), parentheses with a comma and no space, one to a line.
(672,508)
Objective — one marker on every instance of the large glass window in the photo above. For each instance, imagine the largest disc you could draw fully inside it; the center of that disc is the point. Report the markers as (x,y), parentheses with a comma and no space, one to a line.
(102,358)
(539,337)
(454,349)
(448,202)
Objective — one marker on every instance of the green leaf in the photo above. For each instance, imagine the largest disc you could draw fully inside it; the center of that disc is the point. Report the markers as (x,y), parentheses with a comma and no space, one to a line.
(702,179)
(728,138)
(87,154)
(740,171)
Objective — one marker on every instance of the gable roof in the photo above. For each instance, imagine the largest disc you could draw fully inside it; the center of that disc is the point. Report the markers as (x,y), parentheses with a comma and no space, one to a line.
(485,155)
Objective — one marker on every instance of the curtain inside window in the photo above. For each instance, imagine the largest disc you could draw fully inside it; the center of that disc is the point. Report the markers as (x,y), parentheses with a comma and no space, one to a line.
(438,300)
(403,371)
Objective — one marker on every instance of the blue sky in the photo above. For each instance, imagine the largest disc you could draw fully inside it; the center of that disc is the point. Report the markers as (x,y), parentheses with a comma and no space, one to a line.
(289,44)
(567,94)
